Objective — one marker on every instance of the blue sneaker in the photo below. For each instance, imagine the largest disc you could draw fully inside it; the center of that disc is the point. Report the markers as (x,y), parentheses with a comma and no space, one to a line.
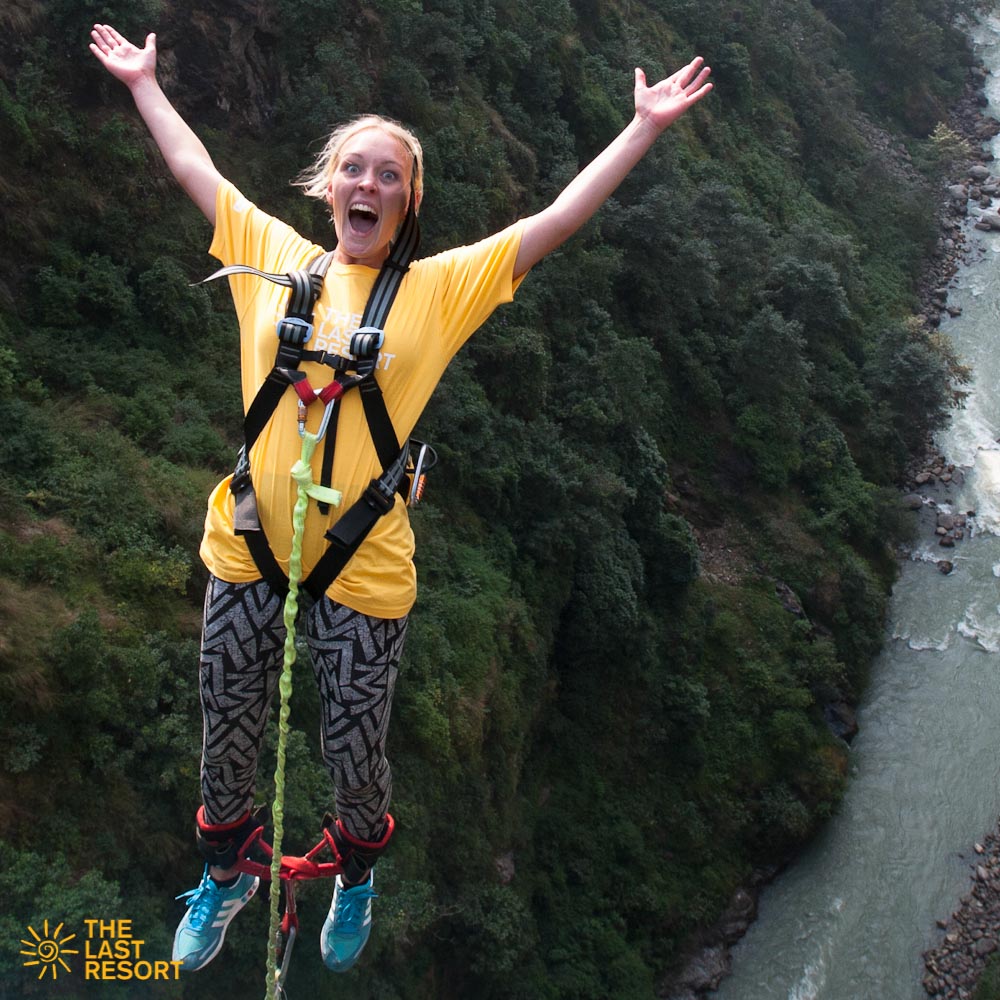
(346,928)
(210,909)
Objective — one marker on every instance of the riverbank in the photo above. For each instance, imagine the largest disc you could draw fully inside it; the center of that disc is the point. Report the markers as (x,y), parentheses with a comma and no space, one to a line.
(709,960)
(971,934)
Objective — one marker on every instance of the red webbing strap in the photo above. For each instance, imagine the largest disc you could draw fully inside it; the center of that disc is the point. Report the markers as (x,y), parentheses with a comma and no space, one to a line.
(295,868)
(292,867)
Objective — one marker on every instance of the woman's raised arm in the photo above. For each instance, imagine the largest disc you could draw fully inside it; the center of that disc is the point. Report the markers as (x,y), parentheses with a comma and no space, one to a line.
(656,107)
(183,151)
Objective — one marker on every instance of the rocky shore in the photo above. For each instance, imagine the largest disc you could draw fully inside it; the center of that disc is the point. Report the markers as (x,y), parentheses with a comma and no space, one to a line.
(972,193)
(928,493)
(972,933)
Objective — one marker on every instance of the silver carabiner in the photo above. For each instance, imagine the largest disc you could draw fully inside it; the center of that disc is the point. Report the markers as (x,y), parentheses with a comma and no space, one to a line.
(325,422)
(286,945)
(282,973)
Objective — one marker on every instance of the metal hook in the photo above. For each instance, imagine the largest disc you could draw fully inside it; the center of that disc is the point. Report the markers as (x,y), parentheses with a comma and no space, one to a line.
(325,422)
(292,922)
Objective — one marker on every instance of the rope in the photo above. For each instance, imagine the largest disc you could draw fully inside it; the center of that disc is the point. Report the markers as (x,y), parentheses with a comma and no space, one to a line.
(302,474)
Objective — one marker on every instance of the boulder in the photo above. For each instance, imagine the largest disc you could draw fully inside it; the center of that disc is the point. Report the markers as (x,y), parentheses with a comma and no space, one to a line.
(841,720)
(789,600)
(985,946)
(739,915)
(504,865)
(706,970)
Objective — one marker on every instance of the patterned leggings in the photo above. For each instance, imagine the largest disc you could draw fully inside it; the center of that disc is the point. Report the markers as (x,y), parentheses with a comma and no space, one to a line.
(354,660)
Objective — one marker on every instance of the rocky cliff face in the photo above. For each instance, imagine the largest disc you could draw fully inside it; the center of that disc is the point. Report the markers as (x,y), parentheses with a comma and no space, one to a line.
(220,61)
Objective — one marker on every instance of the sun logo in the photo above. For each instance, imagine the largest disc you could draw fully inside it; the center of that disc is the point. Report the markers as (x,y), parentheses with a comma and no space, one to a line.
(47,950)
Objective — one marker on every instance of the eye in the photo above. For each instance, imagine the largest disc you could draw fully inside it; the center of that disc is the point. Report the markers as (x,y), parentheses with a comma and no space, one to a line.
(351,168)
(390,176)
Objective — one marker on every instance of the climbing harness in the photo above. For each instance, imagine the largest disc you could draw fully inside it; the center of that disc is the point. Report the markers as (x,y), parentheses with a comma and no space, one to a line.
(402,473)
(294,330)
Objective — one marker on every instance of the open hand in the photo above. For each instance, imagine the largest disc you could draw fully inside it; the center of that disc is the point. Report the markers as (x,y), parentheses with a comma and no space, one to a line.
(122,59)
(666,101)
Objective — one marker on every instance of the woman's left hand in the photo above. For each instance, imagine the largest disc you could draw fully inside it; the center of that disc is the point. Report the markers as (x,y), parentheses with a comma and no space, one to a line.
(666,101)
(655,108)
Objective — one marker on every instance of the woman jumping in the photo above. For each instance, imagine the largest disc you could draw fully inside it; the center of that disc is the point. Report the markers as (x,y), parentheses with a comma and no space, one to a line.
(370,175)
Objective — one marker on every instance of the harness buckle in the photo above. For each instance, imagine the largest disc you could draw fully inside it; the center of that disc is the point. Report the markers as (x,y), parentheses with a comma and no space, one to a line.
(241,474)
(293,330)
(367,341)
(379,496)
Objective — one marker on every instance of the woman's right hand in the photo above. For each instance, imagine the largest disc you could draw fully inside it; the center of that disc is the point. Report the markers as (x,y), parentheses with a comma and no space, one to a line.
(122,59)
(183,151)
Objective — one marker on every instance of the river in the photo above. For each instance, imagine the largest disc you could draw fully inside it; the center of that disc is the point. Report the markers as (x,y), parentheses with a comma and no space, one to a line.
(849,920)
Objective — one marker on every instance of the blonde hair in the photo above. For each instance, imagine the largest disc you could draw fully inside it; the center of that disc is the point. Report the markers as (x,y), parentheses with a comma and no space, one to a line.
(315,180)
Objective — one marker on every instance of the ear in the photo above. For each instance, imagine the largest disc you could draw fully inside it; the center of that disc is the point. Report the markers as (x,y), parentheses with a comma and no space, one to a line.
(418,198)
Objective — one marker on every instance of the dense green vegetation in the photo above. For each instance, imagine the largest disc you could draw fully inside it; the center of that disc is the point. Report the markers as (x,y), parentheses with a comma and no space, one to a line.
(700,404)
(988,987)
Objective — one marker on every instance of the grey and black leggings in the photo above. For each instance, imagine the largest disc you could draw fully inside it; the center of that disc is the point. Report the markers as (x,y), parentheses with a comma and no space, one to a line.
(354,660)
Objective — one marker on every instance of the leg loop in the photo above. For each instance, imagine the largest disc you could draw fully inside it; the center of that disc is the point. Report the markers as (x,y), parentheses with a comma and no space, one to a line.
(223,844)
(357,857)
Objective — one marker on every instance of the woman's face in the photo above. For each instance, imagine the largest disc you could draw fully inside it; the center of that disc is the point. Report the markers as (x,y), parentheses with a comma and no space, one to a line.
(368,194)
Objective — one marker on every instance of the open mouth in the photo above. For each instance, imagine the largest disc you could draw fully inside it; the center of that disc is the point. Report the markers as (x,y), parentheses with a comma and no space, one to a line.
(363,218)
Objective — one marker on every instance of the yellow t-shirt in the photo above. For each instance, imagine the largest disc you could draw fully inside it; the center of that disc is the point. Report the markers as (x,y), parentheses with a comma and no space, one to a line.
(441,302)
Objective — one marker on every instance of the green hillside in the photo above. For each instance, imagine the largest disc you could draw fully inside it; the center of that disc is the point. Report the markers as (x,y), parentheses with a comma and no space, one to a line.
(659,542)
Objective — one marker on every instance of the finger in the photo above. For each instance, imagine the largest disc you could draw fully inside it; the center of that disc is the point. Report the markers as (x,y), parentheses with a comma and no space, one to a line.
(150,41)
(699,94)
(640,78)
(108,38)
(100,35)
(100,47)
(701,78)
(687,74)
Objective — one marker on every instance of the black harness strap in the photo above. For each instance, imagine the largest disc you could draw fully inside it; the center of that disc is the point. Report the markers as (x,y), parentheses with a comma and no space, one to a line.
(294,331)
(350,530)
(380,301)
